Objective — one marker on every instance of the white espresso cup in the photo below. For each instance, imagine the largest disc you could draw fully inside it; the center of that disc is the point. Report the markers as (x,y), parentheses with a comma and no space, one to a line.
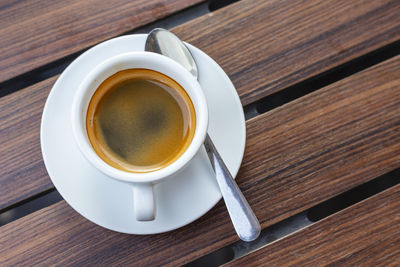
(142,183)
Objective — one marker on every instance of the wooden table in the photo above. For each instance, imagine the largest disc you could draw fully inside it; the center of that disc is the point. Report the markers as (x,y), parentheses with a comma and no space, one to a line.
(320,85)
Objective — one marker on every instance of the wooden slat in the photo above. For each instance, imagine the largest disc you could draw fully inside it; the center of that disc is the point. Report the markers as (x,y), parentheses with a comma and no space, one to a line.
(367,234)
(29,181)
(296,156)
(22,172)
(266,46)
(35,32)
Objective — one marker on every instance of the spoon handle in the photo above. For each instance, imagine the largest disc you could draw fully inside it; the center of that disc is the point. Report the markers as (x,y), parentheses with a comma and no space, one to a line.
(244,221)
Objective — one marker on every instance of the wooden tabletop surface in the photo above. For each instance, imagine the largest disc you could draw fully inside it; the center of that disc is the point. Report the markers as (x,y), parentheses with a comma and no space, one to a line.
(320,85)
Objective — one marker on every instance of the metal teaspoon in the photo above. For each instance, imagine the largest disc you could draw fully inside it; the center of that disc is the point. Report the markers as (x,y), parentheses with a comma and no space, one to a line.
(244,221)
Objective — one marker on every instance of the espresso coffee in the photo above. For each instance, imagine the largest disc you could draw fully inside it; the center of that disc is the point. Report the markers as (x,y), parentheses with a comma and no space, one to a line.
(140,120)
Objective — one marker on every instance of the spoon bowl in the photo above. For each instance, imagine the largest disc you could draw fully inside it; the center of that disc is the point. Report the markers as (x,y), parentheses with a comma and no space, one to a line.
(166,43)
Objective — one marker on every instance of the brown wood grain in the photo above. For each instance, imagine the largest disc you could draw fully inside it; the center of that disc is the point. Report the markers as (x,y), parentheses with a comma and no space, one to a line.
(296,156)
(366,234)
(19,181)
(35,32)
(22,172)
(266,46)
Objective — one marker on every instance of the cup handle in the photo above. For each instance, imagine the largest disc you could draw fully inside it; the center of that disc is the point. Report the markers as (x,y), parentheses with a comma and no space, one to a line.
(143,202)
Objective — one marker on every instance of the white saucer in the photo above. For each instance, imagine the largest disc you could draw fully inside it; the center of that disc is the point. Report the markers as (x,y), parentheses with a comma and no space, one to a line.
(109,203)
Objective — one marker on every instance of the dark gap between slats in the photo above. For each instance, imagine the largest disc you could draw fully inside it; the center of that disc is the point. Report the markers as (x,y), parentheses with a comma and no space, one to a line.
(299,221)
(241,248)
(353,196)
(29,206)
(328,77)
(217,4)
(56,67)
